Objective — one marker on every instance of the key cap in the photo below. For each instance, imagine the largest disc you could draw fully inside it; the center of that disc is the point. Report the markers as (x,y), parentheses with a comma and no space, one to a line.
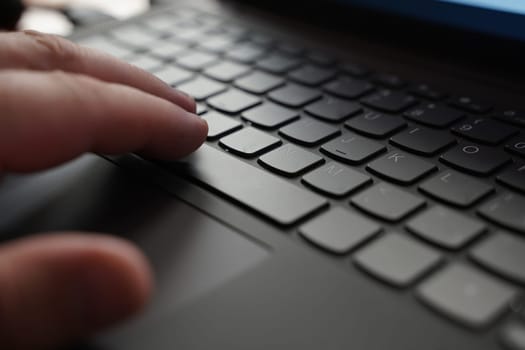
(353,149)
(375,124)
(160,23)
(226,71)
(390,81)
(201,109)
(483,130)
(457,189)
(512,116)
(513,336)
(311,75)
(262,192)
(401,168)
(321,58)
(197,60)
(218,44)
(339,230)
(108,46)
(332,109)
(146,63)
(355,69)
(504,254)
(294,96)
(423,141)
(249,142)
(470,105)
(290,160)
(426,91)
(514,177)
(167,51)
(466,295)
(389,101)
(233,101)
(478,160)
(347,87)
(246,52)
(397,259)
(446,228)
(134,36)
(277,64)
(262,39)
(309,132)
(290,49)
(172,75)
(335,179)
(259,82)
(201,88)
(220,124)
(387,202)
(506,210)
(434,115)
(517,146)
(270,115)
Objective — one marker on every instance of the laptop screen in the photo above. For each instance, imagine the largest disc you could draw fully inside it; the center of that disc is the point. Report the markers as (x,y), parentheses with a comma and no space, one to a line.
(504,18)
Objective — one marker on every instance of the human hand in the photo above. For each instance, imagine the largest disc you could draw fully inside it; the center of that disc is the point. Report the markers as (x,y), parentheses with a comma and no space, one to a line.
(58,100)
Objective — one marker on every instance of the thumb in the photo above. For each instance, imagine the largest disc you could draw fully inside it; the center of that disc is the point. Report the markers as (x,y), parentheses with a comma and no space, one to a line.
(56,288)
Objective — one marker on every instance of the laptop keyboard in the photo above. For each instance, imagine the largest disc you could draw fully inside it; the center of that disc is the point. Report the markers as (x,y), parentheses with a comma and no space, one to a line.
(409,183)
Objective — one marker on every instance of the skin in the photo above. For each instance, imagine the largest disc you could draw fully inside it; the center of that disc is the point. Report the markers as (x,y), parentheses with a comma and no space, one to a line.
(57,101)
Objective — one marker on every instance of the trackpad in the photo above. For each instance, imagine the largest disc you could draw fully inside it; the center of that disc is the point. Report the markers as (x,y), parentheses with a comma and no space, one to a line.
(192,254)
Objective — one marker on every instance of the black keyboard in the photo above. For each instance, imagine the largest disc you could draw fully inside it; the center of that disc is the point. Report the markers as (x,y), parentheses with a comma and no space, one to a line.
(419,188)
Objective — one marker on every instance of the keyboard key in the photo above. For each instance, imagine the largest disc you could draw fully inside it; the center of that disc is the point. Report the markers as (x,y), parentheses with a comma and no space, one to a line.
(220,124)
(517,146)
(467,295)
(390,81)
(201,109)
(146,63)
(311,75)
(270,116)
(134,36)
(309,132)
(397,259)
(426,142)
(339,230)
(504,254)
(434,115)
(355,69)
(332,109)
(514,177)
(446,228)
(278,64)
(217,44)
(167,51)
(387,202)
(457,189)
(290,160)
(201,88)
(512,116)
(246,52)
(485,131)
(506,210)
(470,105)
(513,336)
(401,168)
(197,60)
(233,101)
(160,23)
(352,149)
(347,87)
(426,91)
(375,124)
(291,49)
(172,75)
(294,96)
(226,71)
(259,82)
(335,179)
(262,192)
(389,101)
(108,46)
(321,58)
(478,160)
(249,142)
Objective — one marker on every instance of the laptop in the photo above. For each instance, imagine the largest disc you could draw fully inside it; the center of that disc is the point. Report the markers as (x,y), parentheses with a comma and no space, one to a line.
(362,185)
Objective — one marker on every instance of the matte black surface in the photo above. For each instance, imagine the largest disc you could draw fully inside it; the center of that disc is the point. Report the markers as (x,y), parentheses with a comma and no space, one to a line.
(336,179)
(290,160)
(507,210)
(220,124)
(353,149)
(423,141)
(401,167)
(270,115)
(376,124)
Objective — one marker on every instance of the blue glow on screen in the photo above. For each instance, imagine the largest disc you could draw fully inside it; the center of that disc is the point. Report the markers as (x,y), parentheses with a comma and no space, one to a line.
(513,6)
